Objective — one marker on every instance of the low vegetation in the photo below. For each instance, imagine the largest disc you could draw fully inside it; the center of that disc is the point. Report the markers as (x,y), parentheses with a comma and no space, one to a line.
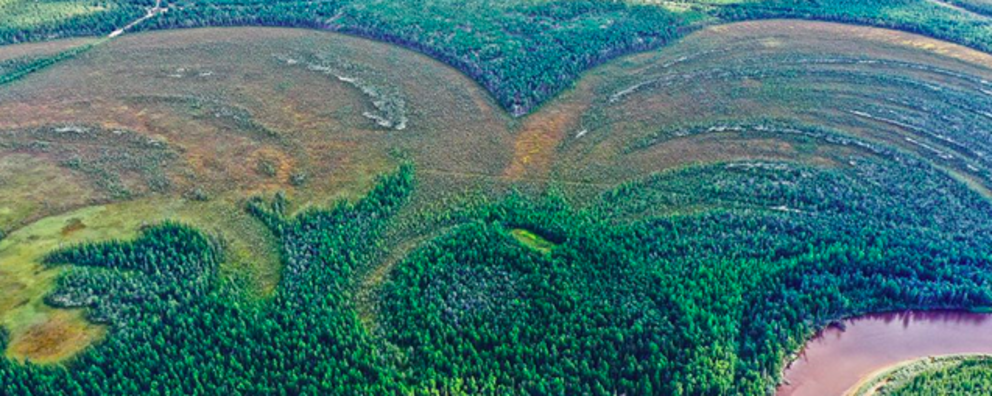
(107,158)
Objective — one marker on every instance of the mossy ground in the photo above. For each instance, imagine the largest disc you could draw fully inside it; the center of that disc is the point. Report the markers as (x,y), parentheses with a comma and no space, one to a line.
(532,240)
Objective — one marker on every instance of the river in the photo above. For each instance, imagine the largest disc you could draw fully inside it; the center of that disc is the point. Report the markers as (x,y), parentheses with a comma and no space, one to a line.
(836,359)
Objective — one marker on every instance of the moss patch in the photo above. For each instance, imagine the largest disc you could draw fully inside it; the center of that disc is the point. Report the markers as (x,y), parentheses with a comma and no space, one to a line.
(533,241)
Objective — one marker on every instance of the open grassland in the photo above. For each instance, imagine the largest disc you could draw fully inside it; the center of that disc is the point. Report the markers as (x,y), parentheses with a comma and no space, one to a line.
(758,124)
(532,240)
(16,65)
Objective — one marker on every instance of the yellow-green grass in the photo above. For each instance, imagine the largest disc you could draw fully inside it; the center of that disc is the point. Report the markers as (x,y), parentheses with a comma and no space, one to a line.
(29,13)
(532,240)
(251,259)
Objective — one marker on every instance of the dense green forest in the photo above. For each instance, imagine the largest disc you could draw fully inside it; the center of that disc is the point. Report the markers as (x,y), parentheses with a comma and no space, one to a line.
(628,296)
(524,52)
(983,7)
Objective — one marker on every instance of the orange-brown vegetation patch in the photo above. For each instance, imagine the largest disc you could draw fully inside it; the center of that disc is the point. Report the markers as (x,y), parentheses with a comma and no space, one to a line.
(536,144)
(72,226)
(62,335)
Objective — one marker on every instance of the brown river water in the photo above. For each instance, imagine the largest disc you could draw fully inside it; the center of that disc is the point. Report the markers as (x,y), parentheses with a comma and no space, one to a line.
(835,360)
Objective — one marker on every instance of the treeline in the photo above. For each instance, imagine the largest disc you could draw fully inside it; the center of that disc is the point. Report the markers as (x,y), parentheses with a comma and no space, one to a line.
(711,303)
(14,69)
(917,16)
(168,266)
(522,52)
(808,246)
(479,313)
(687,304)
(977,6)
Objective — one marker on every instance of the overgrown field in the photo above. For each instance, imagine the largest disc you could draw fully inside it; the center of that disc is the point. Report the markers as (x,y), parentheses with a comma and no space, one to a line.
(264,209)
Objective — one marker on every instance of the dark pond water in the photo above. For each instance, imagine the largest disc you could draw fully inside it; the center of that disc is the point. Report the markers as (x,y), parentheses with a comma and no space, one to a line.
(837,359)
